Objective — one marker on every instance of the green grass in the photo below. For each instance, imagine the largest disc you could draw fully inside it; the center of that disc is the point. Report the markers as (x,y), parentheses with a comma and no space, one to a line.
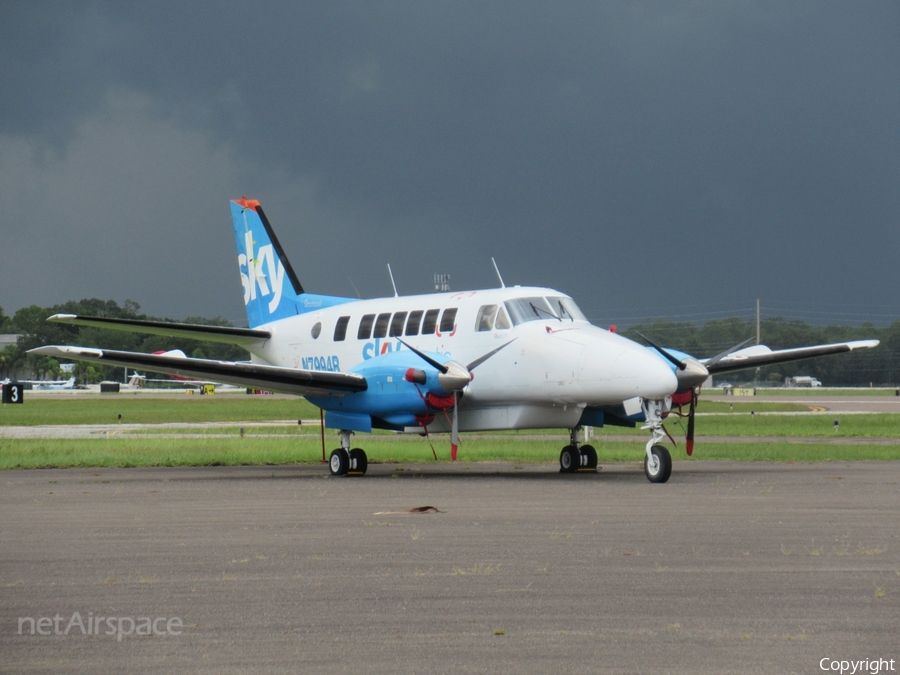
(286,444)
(804,392)
(122,451)
(875,425)
(142,409)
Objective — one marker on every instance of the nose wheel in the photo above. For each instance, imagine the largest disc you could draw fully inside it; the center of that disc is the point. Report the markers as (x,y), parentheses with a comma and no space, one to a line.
(658,464)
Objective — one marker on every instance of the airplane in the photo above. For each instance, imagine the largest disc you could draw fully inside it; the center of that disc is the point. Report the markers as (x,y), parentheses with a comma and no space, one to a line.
(51,385)
(493,359)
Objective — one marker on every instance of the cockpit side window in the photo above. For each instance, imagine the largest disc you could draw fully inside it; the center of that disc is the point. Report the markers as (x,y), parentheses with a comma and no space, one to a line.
(502,320)
(485,319)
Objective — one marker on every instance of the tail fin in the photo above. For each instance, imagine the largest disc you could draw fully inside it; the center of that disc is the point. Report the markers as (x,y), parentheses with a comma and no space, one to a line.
(264,268)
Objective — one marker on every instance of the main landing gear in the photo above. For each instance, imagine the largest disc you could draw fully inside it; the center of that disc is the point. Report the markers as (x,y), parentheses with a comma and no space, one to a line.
(577,457)
(347,462)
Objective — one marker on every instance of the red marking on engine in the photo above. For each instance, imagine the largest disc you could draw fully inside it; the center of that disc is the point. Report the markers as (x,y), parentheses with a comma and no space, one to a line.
(682,398)
(440,402)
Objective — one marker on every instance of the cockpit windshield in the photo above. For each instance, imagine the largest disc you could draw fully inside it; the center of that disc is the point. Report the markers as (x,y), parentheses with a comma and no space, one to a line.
(559,308)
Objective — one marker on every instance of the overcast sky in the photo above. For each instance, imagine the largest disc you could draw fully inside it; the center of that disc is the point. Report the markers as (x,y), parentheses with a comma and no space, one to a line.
(649,158)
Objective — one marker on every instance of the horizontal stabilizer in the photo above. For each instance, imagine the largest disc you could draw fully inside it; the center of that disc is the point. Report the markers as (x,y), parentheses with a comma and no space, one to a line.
(191,331)
(274,378)
(760,355)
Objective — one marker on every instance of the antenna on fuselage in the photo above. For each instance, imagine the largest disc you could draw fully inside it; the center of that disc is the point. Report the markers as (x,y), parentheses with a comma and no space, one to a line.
(355,288)
(396,294)
(497,270)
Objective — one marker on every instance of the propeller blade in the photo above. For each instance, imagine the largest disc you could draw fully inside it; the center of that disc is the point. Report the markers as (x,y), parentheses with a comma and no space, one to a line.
(481,359)
(427,359)
(719,357)
(681,365)
(454,428)
(689,438)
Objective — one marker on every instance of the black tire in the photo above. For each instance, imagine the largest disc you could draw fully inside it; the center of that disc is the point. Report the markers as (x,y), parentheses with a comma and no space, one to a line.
(663,466)
(588,458)
(569,459)
(358,462)
(339,462)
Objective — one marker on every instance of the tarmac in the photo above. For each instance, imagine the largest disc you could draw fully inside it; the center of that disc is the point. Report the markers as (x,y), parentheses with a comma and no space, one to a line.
(730,567)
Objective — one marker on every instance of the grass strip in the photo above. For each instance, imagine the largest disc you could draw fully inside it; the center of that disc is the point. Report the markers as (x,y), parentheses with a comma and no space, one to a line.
(122,451)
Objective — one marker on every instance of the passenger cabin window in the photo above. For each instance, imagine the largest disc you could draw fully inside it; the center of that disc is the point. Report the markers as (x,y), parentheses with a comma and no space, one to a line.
(381,325)
(412,324)
(365,327)
(340,329)
(430,321)
(448,318)
(397,324)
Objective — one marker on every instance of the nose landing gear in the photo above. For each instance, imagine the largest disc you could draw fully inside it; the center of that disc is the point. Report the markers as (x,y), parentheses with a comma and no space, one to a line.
(657,461)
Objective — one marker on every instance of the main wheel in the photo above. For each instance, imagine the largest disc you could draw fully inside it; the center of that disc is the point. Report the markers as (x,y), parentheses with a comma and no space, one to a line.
(358,462)
(569,459)
(588,457)
(339,462)
(660,468)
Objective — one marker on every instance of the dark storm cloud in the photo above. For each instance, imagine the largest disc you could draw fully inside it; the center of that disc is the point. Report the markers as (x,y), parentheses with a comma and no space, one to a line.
(633,154)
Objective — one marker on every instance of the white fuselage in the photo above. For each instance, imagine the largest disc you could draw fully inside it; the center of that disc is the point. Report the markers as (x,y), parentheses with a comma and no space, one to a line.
(558,362)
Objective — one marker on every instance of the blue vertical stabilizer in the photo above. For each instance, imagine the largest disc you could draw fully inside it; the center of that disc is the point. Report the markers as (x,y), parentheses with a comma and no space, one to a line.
(272,290)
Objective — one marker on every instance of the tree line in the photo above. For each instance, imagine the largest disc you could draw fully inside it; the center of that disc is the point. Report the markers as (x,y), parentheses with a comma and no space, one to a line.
(35,331)
(877,367)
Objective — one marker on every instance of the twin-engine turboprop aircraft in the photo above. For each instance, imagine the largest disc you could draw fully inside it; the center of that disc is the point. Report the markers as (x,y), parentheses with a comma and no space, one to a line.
(503,358)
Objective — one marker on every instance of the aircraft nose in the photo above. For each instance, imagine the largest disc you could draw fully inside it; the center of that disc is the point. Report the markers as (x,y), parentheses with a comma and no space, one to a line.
(648,375)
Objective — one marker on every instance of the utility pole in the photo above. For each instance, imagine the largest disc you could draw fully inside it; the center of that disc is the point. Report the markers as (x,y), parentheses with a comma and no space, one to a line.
(756,373)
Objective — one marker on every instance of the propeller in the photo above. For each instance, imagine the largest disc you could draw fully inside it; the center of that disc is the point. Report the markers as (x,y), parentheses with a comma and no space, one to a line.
(453,377)
(691,374)
(718,357)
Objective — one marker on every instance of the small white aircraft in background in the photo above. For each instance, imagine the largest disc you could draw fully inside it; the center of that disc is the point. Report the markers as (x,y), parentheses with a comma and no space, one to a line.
(50,385)
(503,358)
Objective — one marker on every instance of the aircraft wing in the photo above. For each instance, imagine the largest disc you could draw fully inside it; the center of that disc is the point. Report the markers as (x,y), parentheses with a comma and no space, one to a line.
(227,334)
(275,378)
(760,355)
